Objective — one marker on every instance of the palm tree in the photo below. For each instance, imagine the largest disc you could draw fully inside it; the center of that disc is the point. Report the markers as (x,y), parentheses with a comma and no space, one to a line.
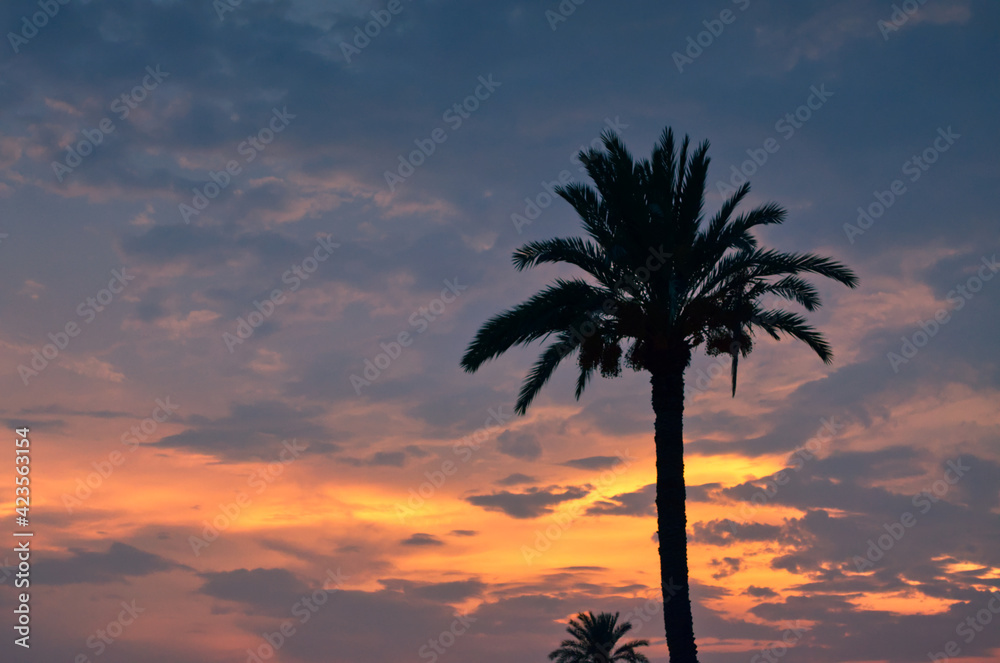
(661,283)
(595,640)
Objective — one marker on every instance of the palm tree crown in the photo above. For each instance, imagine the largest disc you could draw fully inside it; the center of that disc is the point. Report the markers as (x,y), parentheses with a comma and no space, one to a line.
(662,281)
(594,640)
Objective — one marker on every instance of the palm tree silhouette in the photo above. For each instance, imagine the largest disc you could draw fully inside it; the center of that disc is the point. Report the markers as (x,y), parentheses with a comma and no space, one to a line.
(595,639)
(661,283)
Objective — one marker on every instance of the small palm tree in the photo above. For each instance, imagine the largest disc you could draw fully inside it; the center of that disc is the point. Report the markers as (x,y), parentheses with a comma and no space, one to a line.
(595,639)
(661,283)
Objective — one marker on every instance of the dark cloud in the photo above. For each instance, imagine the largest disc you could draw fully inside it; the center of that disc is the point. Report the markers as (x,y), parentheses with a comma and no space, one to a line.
(760,592)
(387,458)
(271,591)
(254,431)
(63,410)
(886,635)
(440,592)
(378,459)
(522,445)
(351,617)
(725,532)
(703,493)
(167,243)
(515,479)
(727,566)
(593,462)
(532,503)
(618,416)
(422,539)
(38,424)
(120,562)
(416,451)
(641,502)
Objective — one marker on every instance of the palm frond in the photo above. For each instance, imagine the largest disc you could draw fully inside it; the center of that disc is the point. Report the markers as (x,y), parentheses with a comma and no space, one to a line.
(587,203)
(543,368)
(791,288)
(774,321)
(572,250)
(547,312)
(771,262)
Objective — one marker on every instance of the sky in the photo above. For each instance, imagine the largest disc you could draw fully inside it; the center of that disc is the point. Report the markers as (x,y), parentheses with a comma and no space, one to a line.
(245,243)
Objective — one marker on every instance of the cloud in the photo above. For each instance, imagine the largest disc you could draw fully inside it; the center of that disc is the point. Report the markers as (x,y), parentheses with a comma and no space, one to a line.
(729,566)
(378,459)
(617,416)
(92,367)
(533,503)
(254,431)
(524,446)
(422,539)
(702,493)
(387,458)
(268,591)
(356,621)
(641,502)
(515,479)
(760,592)
(593,462)
(725,532)
(63,410)
(436,592)
(119,562)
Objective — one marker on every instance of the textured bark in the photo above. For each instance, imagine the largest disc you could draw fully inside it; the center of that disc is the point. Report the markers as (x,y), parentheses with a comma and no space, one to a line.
(668,406)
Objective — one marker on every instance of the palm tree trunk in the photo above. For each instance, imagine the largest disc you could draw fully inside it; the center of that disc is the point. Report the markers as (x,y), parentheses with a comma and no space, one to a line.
(668,406)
